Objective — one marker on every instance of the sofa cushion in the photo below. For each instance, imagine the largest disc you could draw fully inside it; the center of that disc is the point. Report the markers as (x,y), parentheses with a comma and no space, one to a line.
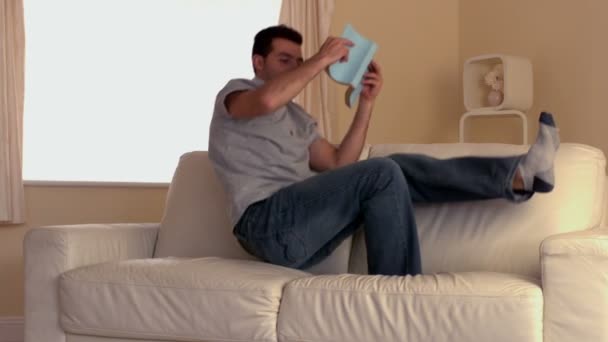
(175,299)
(443,307)
(195,222)
(497,235)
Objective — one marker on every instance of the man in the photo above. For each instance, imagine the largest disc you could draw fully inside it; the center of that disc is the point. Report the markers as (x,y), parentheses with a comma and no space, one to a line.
(295,197)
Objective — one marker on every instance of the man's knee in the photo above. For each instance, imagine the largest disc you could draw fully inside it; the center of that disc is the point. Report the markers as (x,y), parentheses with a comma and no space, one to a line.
(387,171)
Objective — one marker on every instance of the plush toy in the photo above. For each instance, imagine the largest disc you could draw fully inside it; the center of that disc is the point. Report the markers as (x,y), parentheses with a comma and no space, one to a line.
(495,79)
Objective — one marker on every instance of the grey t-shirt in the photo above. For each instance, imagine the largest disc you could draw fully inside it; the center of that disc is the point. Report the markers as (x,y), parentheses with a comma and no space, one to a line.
(256,157)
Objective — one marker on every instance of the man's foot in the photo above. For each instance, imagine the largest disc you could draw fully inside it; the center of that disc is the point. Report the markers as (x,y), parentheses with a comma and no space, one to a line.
(536,167)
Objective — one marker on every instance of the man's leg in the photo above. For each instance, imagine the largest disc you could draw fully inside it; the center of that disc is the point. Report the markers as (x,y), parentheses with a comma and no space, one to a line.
(460,179)
(301,223)
(473,178)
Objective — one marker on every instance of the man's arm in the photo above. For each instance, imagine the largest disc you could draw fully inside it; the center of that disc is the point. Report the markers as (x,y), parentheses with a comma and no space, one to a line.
(323,155)
(277,92)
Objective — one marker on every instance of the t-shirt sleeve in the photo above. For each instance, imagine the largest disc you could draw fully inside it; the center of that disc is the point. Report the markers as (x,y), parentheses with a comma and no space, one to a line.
(230,87)
(312,131)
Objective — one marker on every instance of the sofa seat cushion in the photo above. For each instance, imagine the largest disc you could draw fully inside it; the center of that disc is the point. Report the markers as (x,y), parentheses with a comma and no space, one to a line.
(175,299)
(443,307)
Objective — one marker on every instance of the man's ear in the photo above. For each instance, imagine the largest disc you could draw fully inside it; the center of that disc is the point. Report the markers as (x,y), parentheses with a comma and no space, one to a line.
(258,62)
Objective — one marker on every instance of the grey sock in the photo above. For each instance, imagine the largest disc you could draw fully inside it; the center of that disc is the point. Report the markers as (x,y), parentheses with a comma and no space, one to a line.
(536,167)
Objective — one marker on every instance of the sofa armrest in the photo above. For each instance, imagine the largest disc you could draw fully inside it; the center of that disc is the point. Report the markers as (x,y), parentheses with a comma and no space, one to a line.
(50,251)
(575,286)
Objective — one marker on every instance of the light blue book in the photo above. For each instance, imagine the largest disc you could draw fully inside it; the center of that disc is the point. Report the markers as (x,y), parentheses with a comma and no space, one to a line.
(359,58)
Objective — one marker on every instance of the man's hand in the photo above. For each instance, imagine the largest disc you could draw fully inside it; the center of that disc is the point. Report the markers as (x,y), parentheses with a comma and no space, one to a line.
(334,49)
(372,83)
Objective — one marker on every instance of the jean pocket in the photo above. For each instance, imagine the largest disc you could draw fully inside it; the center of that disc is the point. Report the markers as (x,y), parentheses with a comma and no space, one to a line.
(249,222)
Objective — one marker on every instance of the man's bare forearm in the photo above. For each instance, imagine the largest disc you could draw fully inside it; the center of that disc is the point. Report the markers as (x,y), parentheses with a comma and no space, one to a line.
(352,144)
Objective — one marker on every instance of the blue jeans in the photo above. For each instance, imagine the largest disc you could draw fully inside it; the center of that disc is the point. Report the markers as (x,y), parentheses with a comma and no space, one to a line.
(301,224)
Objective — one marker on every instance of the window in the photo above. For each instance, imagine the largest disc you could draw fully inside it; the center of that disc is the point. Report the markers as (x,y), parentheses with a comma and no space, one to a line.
(117,90)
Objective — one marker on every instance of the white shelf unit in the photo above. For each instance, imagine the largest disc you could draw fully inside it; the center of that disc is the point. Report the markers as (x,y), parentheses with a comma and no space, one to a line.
(486,112)
(517,92)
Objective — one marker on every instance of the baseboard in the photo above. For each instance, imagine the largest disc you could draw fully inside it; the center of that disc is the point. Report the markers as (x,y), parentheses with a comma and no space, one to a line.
(11,329)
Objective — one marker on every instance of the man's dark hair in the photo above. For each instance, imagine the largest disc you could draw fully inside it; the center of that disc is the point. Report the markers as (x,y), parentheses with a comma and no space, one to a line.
(262,43)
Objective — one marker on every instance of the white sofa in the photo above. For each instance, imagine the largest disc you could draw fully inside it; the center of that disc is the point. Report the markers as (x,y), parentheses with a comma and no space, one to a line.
(493,271)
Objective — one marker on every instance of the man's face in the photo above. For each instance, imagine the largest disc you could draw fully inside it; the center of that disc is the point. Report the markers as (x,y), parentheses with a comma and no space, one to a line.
(285,55)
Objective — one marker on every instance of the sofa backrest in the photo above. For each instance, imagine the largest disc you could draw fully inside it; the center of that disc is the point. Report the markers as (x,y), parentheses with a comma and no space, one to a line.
(497,235)
(195,222)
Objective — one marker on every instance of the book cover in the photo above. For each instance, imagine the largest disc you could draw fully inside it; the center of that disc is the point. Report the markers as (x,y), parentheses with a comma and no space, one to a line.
(359,58)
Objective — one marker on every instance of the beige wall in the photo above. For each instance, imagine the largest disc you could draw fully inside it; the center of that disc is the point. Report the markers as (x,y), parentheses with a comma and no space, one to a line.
(68,205)
(418,51)
(566,42)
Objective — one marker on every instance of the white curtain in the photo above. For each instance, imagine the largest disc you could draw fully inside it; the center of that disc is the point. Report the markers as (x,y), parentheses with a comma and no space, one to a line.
(312,19)
(12,59)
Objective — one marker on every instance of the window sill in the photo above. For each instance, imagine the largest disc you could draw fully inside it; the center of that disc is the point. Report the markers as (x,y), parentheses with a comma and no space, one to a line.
(90,184)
